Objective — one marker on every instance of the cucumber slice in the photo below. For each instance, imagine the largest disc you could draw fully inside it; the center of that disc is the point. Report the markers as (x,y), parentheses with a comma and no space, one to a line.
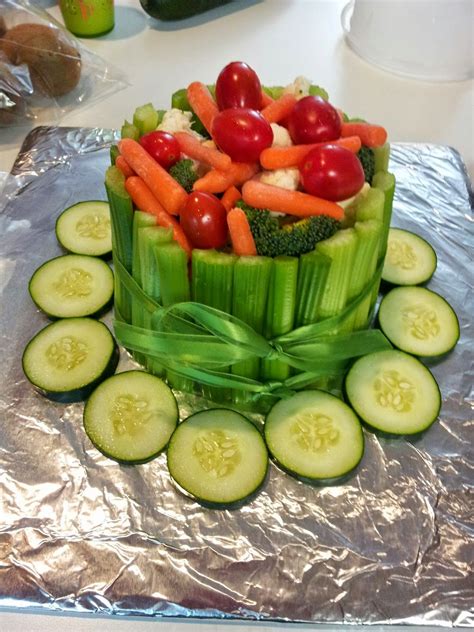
(72,286)
(314,436)
(393,392)
(410,260)
(218,457)
(67,359)
(418,321)
(85,229)
(131,416)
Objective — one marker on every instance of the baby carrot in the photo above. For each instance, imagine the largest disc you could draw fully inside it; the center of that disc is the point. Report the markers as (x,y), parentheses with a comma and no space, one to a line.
(370,135)
(216,181)
(123,166)
(241,236)
(201,101)
(292,156)
(193,148)
(267,196)
(230,197)
(169,193)
(144,200)
(279,109)
(266,99)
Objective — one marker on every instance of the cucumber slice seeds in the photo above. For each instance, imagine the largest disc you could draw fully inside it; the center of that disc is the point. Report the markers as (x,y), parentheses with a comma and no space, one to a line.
(218,457)
(67,359)
(315,436)
(131,416)
(410,259)
(72,286)
(393,392)
(418,321)
(85,228)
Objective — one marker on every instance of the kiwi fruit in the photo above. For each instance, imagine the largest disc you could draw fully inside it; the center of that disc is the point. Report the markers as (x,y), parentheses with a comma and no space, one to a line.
(54,65)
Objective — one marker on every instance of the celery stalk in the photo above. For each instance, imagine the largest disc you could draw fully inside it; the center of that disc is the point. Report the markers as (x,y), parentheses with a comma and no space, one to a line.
(251,283)
(212,278)
(129,130)
(365,263)
(312,276)
(369,206)
(121,215)
(114,153)
(385,182)
(212,284)
(148,238)
(172,263)
(280,314)
(340,248)
(140,220)
(381,157)
(145,118)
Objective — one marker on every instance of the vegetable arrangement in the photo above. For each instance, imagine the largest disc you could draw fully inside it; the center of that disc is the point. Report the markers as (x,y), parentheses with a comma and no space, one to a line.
(251,289)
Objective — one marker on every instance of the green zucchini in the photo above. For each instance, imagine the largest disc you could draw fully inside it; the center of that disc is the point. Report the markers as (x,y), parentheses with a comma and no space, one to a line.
(178,9)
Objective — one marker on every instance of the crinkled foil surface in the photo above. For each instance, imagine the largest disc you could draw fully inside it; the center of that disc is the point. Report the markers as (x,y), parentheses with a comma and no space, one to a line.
(80,532)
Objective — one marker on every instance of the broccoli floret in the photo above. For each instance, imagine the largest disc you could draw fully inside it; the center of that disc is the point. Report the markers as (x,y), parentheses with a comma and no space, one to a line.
(367,159)
(272,239)
(185,173)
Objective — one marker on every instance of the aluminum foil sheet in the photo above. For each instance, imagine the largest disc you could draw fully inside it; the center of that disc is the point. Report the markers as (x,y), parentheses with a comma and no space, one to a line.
(79,532)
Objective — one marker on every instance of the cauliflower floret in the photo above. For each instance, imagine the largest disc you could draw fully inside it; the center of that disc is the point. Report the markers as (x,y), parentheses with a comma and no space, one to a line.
(284,178)
(281,137)
(300,87)
(175,120)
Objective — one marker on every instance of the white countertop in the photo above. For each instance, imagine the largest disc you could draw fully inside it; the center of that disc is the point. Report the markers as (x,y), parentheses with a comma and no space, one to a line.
(279,39)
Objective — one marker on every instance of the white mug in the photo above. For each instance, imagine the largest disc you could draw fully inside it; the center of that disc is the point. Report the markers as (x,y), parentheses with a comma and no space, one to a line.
(425,39)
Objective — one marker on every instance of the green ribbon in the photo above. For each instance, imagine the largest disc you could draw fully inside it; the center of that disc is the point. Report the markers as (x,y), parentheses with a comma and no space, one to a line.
(199,342)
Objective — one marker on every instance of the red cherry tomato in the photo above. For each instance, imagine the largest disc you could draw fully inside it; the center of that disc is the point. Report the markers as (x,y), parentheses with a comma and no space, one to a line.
(238,86)
(162,146)
(313,120)
(242,133)
(204,220)
(332,172)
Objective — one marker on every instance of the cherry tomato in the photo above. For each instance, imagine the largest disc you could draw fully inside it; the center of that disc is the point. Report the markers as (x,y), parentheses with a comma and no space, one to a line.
(332,172)
(204,220)
(238,86)
(242,133)
(162,146)
(313,120)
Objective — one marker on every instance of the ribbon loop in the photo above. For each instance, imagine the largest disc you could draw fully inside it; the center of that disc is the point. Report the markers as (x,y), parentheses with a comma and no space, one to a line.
(202,343)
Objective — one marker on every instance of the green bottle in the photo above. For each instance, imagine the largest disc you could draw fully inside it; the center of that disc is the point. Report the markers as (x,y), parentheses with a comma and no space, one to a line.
(88,18)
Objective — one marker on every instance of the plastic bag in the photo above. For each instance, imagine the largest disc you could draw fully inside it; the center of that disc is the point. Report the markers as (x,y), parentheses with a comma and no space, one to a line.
(44,70)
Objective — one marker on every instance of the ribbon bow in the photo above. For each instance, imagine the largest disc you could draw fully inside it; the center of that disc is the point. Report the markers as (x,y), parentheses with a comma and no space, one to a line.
(199,342)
